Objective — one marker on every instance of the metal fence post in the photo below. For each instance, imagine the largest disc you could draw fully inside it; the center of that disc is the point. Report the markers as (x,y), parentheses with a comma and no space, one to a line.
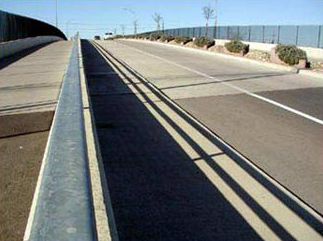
(278,34)
(214,32)
(319,37)
(249,33)
(297,31)
(263,33)
(228,32)
(238,33)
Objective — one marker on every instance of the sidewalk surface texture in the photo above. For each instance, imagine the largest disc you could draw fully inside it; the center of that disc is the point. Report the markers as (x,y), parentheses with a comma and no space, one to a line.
(168,177)
(29,88)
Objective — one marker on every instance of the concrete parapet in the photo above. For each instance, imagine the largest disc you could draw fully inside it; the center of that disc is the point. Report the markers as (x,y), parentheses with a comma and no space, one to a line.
(13,47)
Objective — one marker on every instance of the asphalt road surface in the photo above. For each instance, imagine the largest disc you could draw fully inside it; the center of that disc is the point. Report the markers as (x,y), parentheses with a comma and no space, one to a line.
(274,118)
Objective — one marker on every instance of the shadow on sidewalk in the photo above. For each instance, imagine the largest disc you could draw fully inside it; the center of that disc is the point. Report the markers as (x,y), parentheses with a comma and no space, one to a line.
(4,62)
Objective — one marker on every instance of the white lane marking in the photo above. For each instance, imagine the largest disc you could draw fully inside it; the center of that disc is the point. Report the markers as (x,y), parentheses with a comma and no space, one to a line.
(275,103)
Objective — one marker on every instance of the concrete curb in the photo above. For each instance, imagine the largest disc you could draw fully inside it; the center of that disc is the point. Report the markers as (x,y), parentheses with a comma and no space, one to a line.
(230,57)
(104,217)
(311,73)
(304,72)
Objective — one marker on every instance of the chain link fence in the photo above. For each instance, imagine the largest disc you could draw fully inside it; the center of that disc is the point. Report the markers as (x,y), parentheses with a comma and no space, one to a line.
(301,35)
(13,27)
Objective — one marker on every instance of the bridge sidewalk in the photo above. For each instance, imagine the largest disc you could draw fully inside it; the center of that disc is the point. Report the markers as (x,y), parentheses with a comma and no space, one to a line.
(29,88)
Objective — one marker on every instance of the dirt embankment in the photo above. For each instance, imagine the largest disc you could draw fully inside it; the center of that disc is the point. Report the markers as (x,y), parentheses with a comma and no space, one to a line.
(23,139)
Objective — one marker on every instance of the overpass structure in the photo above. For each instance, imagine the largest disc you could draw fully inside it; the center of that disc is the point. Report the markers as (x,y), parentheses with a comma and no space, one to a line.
(145,141)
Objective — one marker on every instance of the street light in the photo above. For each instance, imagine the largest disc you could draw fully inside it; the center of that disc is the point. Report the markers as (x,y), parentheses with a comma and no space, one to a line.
(135,21)
(56,13)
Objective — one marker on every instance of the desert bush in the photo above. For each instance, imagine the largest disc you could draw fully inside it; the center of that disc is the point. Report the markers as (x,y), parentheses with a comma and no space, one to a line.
(182,40)
(166,38)
(290,54)
(236,46)
(202,41)
(154,36)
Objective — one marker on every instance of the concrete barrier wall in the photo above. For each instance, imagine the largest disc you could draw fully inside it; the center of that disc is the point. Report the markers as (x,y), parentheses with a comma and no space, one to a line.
(16,46)
(312,53)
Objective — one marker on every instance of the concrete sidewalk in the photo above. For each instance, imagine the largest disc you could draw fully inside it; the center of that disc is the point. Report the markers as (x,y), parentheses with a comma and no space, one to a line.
(33,82)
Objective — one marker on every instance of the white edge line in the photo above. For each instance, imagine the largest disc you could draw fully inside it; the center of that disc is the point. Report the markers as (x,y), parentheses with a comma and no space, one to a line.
(275,103)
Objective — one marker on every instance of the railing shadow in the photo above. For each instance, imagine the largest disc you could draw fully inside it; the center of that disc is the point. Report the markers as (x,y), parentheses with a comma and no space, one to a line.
(294,206)
(157,191)
(4,62)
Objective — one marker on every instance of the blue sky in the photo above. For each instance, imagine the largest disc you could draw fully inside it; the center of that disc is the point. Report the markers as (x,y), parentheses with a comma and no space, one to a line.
(92,17)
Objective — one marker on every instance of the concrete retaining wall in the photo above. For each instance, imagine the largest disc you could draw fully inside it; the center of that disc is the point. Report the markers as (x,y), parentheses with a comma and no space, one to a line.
(312,53)
(13,47)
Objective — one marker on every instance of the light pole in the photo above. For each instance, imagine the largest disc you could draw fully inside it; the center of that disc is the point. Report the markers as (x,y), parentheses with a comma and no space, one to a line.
(135,26)
(56,13)
(135,21)
(216,18)
(123,29)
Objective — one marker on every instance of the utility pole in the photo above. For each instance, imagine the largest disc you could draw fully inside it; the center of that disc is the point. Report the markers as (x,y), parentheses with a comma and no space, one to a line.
(163,26)
(216,14)
(135,21)
(56,13)
(135,27)
(123,29)
(157,18)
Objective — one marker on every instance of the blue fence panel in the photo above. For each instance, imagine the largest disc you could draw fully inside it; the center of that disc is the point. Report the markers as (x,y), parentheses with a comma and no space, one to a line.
(256,34)
(244,33)
(210,32)
(233,32)
(222,32)
(190,33)
(271,34)
(196,31)
(288,34)
(320,39)
(306,36)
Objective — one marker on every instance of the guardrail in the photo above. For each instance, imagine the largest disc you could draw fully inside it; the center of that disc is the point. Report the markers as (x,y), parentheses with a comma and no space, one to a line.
(62,207)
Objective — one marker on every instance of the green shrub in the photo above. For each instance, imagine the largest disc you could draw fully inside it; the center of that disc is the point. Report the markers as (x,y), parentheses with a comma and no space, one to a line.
(202,41)
(236,46)
(166,37)
(154,36)
(184,40)
(290,54)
